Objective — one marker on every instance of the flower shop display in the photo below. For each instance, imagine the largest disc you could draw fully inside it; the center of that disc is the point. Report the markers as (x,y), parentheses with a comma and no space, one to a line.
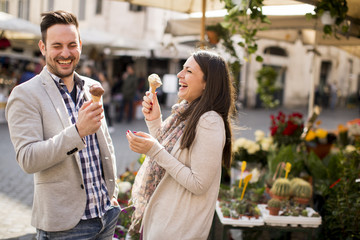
(341,209)
(311,220)
(354,130)
(239,213)
(123,223)
(286,130)
(252,151)
(124,183)
(319,141)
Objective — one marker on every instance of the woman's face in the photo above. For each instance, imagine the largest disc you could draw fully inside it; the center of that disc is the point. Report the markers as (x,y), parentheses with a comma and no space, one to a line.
(191,81)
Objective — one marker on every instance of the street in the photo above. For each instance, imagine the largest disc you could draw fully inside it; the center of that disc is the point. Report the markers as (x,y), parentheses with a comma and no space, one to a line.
(16,187)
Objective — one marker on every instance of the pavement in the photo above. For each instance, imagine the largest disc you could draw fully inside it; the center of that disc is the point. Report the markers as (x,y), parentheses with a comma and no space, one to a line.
(16,187)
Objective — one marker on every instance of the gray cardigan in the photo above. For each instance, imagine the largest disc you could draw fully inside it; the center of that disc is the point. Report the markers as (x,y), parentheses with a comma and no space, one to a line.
(47,144)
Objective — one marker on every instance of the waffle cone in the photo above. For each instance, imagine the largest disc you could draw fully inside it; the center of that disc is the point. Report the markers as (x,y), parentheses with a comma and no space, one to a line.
(96,98)
(152,88)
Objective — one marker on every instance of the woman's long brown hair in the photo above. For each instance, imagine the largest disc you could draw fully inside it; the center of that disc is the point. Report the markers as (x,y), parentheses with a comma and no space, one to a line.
(218,96)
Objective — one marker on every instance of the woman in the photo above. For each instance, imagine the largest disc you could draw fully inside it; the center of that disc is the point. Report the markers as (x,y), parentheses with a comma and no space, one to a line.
(176,188)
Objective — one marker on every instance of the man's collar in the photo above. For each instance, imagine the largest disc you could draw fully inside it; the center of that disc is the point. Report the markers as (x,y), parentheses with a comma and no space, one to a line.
(78,81)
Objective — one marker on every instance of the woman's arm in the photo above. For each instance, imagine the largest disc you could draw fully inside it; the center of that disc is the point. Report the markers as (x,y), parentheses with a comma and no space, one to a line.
(205,155)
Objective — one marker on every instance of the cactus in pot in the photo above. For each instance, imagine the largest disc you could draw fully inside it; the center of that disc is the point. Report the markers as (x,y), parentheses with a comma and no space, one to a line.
(301,191)
(274,206)
(281,189)
(226,212)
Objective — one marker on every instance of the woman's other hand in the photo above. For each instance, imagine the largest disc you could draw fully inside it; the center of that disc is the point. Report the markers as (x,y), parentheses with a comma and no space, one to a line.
(151,107)
(140,142)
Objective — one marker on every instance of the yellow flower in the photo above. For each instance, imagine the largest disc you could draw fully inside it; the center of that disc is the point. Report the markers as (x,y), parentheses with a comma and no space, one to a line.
(310,136)
(321,133)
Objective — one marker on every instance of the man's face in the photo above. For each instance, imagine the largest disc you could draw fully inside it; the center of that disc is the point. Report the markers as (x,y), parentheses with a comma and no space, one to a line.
(62,50)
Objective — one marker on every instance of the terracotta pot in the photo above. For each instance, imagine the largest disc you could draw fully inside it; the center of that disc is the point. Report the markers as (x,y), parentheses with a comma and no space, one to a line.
(274,211)
(281,198)
(303,201)
(213,37)
(321,150)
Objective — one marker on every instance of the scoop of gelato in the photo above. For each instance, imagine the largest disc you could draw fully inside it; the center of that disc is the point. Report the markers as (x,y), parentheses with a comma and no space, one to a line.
(154,82)
(96,90)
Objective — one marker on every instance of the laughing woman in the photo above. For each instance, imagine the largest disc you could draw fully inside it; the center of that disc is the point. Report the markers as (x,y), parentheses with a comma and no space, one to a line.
(176,188)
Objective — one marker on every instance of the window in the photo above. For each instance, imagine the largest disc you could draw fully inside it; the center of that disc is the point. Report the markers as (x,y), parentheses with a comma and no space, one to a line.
(136,8)
(23,10)
(82,7)
(278,51)
(98,9)
(50,5)
(4,6)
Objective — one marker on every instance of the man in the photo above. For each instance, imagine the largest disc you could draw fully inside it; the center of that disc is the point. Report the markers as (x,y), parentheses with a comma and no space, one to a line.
(61,137)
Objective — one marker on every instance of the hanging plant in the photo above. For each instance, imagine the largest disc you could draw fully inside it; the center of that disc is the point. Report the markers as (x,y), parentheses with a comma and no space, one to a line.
(246,19)
(266,79)
(336,10)
(224,34)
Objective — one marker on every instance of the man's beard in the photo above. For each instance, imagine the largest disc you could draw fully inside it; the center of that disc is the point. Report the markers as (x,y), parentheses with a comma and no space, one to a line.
(53,69)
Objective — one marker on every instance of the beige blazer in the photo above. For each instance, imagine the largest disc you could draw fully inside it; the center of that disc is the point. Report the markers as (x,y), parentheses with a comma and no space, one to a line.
(183,204)
(47,144)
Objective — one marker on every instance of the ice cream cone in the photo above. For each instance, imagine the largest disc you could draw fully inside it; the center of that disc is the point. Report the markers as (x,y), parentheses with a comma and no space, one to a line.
(154,83)
(96,98)
(96,91)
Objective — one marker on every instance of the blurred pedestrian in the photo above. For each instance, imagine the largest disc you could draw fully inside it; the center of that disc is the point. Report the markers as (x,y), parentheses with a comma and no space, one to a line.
(61,137)
(176,188)
(128,89)
(106,100)
(28,73)
(89,71)
(333,95)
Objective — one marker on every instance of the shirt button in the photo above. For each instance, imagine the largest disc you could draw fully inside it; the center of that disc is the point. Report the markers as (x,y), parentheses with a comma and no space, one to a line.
(82,186)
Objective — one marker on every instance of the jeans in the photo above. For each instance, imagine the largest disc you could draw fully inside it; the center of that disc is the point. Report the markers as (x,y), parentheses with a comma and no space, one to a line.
(96,228)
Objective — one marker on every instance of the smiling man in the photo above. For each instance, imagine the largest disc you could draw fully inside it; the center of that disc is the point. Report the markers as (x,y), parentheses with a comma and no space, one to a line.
(61,137)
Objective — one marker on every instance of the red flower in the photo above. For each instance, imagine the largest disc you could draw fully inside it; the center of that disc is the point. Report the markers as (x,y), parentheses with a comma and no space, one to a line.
(274,130)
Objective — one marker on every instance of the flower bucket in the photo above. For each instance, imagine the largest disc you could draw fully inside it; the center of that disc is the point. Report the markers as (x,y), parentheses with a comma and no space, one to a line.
(321,150)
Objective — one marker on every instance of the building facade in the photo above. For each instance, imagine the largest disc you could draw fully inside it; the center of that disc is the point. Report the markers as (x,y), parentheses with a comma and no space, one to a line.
(116,33)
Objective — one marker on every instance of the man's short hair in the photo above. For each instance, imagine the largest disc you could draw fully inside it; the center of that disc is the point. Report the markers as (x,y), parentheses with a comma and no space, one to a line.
(56,17)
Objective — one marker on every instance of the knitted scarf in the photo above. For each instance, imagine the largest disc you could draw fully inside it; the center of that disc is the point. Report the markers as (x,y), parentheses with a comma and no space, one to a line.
(150,173)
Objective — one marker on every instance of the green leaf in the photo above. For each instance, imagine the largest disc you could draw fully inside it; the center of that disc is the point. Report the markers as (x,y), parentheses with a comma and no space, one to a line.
(259,58)
(316,167)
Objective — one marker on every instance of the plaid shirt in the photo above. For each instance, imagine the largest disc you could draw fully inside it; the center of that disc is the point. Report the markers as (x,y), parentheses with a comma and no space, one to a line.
(97,197)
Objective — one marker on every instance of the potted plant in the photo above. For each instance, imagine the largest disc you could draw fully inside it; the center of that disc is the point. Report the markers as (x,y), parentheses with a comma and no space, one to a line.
(226,212)
(274,206)
(300,190)
(304,213)
(234,214)
(286,129)
(333,16)
(214,33)
(241,208)
(256,212)
(281,189)
(319,141)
